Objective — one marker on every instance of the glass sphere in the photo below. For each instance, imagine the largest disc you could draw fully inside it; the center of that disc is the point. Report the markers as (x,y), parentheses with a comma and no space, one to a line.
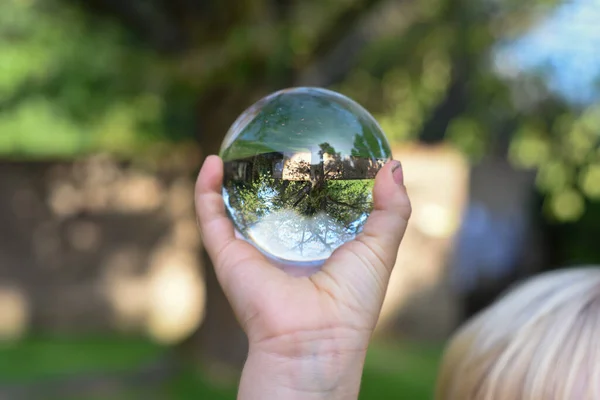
(299,171)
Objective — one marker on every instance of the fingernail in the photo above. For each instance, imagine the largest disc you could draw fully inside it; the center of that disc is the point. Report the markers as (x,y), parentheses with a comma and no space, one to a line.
(397,173)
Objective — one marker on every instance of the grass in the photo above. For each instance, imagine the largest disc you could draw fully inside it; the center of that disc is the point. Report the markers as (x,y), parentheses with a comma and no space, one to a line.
(393,370)
(41,358)
(400,370)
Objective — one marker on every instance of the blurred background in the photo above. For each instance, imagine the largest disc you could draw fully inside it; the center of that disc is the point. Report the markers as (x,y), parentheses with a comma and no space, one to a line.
(108,107)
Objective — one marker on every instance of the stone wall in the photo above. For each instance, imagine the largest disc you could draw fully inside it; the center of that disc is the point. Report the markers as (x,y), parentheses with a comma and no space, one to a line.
(97,245)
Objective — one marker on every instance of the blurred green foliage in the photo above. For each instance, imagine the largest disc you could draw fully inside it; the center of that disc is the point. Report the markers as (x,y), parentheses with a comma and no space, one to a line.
(71,85)
(79,77)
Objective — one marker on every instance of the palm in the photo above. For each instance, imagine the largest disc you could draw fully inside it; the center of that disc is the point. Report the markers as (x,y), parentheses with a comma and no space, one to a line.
(277,306)
(273,303)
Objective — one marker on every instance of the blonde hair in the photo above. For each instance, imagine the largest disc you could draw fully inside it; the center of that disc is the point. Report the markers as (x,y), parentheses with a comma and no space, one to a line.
(540,342)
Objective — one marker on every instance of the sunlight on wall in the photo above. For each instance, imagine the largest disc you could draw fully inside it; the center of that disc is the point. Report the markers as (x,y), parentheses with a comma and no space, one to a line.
(97,185)
(437,220)
(176,295)
(65,199)
(126,291)
(129,299)
(176,289)
(166,300)
(14,313)
(138,193)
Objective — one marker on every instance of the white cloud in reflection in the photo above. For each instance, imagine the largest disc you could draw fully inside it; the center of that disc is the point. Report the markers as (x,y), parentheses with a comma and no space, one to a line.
(287,235)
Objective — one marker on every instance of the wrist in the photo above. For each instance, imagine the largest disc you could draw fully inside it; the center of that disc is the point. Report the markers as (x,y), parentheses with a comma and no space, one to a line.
(284,368)
(271,376)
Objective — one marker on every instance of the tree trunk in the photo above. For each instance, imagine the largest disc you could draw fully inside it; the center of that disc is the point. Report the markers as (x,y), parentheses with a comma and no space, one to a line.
(220,345)
(500,241)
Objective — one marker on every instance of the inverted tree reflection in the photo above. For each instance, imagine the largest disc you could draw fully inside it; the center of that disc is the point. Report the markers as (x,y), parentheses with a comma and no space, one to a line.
(303,205)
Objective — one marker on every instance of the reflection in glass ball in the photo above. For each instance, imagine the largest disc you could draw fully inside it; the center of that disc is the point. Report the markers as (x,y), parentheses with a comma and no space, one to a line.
(299,172)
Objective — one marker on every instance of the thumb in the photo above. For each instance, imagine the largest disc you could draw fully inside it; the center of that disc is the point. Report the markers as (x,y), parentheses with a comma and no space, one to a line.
(363,266)
(387,223)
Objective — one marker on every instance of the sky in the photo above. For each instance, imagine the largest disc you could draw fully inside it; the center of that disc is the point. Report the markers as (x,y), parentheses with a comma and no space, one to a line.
(566,43)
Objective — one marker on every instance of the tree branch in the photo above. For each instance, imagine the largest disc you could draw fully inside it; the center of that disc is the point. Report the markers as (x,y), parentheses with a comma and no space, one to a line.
(452,105)
(334,56)
(345,21)
(143,19)
(455,102)
(341,203)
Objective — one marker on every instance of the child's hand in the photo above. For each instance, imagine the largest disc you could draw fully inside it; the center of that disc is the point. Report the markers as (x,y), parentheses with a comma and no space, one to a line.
(308,335)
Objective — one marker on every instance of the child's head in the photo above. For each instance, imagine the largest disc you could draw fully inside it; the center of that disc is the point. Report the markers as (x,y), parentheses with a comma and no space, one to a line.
(540,342)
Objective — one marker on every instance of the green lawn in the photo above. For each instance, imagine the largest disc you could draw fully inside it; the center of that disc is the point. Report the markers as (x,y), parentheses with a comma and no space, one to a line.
(393,371)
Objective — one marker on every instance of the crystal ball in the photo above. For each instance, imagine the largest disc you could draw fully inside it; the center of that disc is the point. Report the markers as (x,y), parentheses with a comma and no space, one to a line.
(299,168)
